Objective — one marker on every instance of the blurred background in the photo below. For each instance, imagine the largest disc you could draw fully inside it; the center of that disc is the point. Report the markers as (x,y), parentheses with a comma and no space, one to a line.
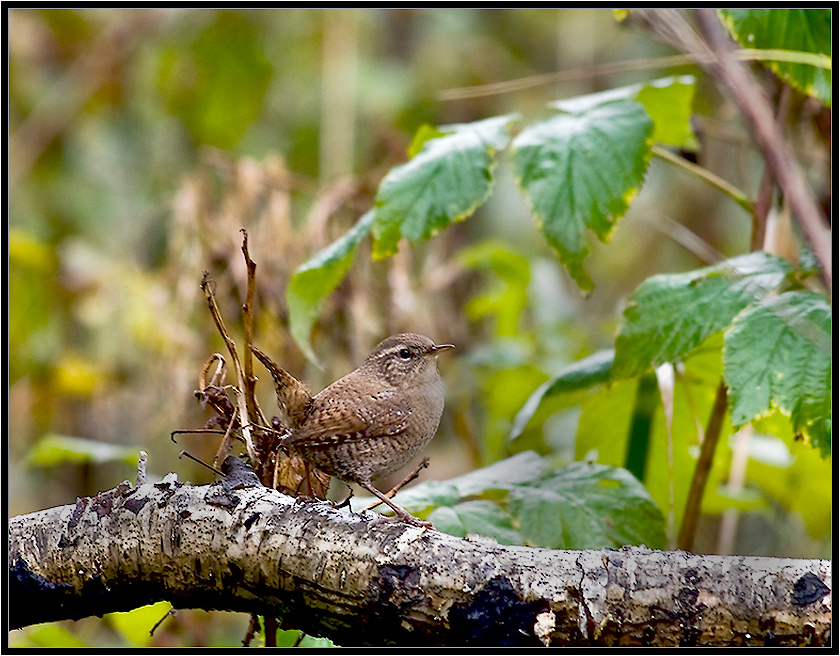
(142,140)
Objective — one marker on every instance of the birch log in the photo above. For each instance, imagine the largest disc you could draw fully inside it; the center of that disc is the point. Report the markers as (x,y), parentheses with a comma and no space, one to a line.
(236,545)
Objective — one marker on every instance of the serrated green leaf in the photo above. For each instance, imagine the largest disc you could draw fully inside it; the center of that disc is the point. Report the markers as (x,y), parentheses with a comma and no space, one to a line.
(778,355)
(579,171)
(523,467)
(444,182)
(313,281)
(797,30)
(521,500)
(54,449)
(670,314)
(479,517)
(667,100)
(586,373)
(587,506)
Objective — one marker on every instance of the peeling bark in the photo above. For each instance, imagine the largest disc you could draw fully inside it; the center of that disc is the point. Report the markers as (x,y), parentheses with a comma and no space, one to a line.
(236,545)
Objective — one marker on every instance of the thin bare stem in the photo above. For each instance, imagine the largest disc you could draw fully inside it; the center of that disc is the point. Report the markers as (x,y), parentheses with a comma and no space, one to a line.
(248,322)
(582,73)
(587,72)
(730,190)
(691,516)
(390,493)
(209,292)
(200,462)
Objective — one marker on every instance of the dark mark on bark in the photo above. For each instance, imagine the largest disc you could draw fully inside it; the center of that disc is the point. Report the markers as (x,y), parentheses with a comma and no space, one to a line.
(807,590)
(497,617)
(136,504)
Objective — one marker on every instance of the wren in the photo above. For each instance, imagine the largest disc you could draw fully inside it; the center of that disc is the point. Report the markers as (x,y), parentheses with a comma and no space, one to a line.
(372,421)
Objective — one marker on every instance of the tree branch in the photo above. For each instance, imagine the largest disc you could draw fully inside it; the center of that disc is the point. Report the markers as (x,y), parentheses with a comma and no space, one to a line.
(236,545)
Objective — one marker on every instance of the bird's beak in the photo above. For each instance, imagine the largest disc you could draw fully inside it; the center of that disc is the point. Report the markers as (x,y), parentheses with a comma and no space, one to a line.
(437,348)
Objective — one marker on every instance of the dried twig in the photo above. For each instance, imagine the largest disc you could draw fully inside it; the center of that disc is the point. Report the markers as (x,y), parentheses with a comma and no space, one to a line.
(390,493)
(208,287)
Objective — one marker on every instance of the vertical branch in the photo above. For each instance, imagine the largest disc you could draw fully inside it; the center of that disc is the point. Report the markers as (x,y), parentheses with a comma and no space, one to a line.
(714,51)
(208,287)
(764,198)
(688,528)
(248,322)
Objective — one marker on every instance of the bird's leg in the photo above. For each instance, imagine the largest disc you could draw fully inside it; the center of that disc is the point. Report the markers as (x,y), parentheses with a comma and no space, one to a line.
(402,514)
(346,502)
(390,493)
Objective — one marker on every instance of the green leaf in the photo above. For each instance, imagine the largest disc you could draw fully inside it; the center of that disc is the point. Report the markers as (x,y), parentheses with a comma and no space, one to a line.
(51,636)
(134,625)
(54,449)
(778,355)
(587,506)
(671,314)
(521,500)
(667,100)
(579,171)
(424,133)
(521,468)
(444,182)
(603,427)
(313,281)
(796,30)
(477,517)
(584,374)
(797,479)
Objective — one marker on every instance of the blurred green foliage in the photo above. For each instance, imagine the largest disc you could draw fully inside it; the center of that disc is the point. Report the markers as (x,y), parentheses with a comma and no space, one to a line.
(142,140)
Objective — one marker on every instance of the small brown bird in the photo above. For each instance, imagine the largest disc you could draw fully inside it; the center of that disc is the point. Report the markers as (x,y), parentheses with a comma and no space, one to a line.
(372,421)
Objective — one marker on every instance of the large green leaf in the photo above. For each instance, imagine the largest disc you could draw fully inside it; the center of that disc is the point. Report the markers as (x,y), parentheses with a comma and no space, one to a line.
(521,468)
(579,171)
(587,506)
(580,375)
(668,101)
(523,500)
(444,182)
(479,517)
(670,314)
(603,427)
(313,280)
(778,355)
(786,29)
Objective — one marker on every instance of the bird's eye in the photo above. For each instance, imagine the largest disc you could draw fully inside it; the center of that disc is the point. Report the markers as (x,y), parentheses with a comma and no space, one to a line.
(404,353)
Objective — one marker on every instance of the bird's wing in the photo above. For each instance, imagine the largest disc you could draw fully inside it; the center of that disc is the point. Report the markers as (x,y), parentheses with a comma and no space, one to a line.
(340,418)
